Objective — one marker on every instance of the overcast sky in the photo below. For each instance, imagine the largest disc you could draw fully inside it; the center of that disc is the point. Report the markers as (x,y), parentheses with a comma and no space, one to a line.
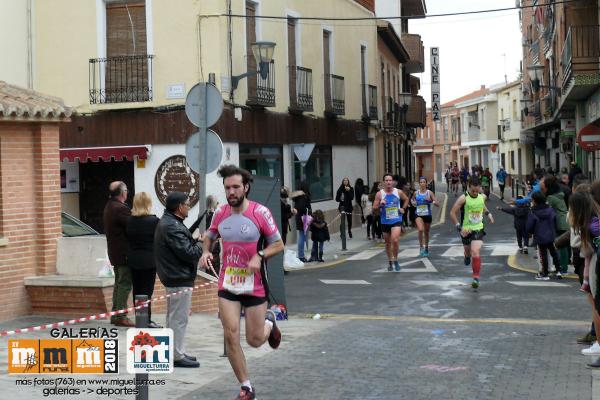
(471,47)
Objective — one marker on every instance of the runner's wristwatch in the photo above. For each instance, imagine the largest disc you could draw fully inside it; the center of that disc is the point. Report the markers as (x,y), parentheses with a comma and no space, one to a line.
(261,254)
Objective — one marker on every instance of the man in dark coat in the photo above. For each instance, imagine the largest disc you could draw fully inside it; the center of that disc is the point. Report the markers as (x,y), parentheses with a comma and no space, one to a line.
(176,254)
(573,171)
(116,214)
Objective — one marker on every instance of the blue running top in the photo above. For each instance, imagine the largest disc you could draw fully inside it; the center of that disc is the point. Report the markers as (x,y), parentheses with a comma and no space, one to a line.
(390,212)
(423,201)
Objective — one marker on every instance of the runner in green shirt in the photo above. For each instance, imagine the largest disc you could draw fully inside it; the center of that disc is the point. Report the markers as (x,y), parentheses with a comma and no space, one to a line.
(471,226)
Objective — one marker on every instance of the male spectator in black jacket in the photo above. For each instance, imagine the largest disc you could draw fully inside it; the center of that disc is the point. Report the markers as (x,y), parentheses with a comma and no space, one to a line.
(177,254)
(116,214)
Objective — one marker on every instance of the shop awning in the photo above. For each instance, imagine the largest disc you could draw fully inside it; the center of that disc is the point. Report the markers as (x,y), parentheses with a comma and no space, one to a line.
(95,154)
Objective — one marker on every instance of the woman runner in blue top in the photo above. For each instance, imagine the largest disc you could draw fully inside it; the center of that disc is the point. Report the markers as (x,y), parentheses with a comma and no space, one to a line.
(422,200)
(391,209)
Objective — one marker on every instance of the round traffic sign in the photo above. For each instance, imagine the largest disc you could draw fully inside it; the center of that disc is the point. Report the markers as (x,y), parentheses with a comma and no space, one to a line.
(195,105)
(214,151)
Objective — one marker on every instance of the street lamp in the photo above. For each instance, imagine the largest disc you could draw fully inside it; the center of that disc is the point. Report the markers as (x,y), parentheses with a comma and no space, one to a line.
(404,101)
(536,72)
(263,54)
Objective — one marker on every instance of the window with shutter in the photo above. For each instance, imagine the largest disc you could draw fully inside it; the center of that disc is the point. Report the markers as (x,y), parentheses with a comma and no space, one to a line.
(126,73)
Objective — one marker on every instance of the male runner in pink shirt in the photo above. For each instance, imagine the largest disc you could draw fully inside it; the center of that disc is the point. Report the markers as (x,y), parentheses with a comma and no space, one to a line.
(241,223)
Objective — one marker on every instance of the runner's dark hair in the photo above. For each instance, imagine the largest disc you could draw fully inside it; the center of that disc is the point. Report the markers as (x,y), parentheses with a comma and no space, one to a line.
(230,170)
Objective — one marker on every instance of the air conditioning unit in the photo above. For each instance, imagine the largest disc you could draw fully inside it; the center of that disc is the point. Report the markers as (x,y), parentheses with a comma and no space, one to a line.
(505,125)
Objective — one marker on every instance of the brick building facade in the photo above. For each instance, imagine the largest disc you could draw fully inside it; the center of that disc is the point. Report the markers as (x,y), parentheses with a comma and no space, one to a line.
(30,195)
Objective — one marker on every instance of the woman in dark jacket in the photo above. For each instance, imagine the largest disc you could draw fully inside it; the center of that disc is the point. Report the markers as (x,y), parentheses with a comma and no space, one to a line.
(344,196)
(286,212)
(302,207)
(140,255)
(556,199)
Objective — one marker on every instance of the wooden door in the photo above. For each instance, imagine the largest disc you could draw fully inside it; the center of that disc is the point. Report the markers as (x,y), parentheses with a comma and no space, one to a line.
(251,38)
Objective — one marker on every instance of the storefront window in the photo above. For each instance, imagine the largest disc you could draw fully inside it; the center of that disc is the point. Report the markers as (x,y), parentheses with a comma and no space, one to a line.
(262,160)
(317,173)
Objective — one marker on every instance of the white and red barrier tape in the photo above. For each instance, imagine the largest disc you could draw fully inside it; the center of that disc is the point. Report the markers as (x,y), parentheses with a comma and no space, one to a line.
(100,316)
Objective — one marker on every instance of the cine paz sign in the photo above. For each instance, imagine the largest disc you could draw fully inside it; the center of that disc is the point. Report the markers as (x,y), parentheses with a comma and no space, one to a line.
(434,60)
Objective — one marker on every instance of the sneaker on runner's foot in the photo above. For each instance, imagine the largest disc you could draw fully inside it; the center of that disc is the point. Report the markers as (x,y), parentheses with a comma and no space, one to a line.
(275,335)
(396,266)
(246,394)
(475,283)
(593,350)
(426,253)
(467,260)
(542,277)
(390,267)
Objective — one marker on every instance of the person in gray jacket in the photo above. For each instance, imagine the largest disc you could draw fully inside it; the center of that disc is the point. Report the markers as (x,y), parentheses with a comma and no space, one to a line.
(177,254)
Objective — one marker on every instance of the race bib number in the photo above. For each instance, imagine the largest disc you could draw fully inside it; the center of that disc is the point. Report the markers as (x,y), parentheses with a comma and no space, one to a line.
(475,217)
(422,210)
(238,280)
(392,213)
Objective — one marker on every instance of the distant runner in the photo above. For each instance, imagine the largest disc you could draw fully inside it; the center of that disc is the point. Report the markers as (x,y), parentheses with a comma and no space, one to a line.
(471,228)
(388,201)
(422,199)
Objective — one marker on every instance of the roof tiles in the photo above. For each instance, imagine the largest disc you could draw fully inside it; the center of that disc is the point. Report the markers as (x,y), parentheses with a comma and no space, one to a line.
(21,104)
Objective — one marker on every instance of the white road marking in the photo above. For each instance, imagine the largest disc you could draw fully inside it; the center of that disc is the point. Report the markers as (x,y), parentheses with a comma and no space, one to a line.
(409,253)
(344,282)
(445,285)
(428,266)
(504,250)
(367,254)
(454,251)
(538,283)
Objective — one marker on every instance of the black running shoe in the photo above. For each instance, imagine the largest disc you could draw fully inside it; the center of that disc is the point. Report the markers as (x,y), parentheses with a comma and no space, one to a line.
(467,260)
(275,335)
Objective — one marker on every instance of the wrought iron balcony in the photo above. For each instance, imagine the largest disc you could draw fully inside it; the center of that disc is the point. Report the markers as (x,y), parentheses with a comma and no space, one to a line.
(579,60)
(122,79)
(301,89)
(389,114)
(369,102)
(261,91)
(416,52)
(334,95)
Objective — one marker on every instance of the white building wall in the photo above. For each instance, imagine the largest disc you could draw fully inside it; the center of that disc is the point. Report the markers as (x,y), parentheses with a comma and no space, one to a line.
(144,177)
(14,47)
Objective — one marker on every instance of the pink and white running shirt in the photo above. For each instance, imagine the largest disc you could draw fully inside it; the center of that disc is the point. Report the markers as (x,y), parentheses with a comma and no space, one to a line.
(240,234)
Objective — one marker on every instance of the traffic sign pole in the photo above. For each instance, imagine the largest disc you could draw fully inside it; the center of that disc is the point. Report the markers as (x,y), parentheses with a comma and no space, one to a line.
(202,170)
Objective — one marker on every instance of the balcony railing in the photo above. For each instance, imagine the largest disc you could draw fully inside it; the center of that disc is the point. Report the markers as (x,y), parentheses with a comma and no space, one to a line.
(581,53)
(416,113)
(369,101)
(534,52)
(416,53)
(301,89)
(122,79)
(263,94)
(334,95)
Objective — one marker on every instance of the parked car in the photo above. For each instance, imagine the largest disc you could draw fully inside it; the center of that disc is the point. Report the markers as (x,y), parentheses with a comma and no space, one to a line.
(72,227)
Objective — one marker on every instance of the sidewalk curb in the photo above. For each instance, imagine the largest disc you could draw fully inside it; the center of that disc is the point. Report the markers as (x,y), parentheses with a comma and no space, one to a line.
(513,263)
(368,246)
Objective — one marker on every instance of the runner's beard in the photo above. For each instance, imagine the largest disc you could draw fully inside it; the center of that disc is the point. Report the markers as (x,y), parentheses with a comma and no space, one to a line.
(236,201)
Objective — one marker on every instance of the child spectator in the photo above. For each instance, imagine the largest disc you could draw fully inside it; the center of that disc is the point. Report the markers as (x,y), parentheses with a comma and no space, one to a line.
(319,233)
(520,214)
(541,223)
